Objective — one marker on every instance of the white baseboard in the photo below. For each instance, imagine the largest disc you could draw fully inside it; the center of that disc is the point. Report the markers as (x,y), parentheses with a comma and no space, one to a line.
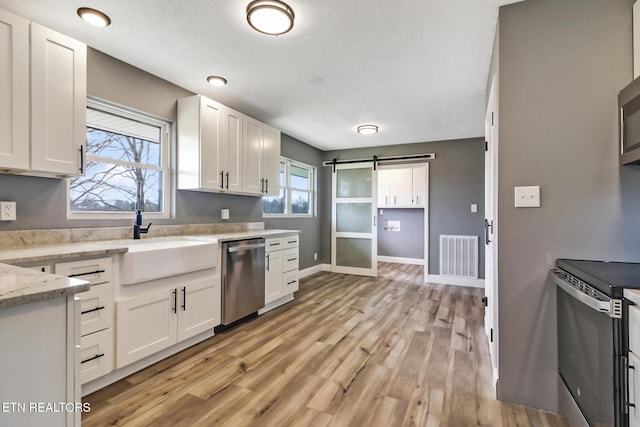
(326,267)
(399,260)
(309,271)
(456,281)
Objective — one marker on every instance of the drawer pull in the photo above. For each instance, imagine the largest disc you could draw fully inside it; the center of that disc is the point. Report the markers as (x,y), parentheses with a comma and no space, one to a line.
(291,282)
(97,356)
(86,274)
(291,241)
(92,310)
(274,244)
(291,259)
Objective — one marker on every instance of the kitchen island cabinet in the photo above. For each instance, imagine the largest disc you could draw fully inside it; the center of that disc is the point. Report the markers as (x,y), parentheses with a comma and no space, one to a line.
(39,361)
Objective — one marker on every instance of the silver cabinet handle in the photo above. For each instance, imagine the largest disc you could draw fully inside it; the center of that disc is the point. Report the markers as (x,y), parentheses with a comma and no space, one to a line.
(386,200)
(268,262)
(395,200)
(417,200)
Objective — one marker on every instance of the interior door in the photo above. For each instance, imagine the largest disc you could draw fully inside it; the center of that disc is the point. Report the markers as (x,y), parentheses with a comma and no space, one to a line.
(354,237)
(491,260)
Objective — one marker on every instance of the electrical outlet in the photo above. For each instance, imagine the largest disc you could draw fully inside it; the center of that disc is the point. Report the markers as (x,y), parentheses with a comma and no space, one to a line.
(7,211)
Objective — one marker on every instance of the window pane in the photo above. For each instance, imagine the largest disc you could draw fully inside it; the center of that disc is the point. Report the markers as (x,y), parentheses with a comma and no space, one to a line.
(116,137)
(113,188)
(122,147)
(282,174)
(300,202)
(274,204)
(300,178)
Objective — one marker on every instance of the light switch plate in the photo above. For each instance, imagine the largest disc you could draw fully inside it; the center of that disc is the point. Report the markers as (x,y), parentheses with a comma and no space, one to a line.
(474,207)
(527,197)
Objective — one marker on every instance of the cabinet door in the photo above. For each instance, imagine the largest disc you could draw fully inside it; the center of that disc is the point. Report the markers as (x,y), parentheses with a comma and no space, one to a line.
(145,324)
(273,276)
(211,128)
(252,147)
(400,187)
(197,309)
(96,307)
(419,186)
(634,390)
(271,160)
(14,87)
(232,150)
(96,355)
(384,195)
(290,282)
(58,102)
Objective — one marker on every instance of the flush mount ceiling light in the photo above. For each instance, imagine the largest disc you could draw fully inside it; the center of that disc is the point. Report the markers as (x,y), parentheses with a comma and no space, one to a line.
(271,17)
(367,129)
(217,80)
(94,17)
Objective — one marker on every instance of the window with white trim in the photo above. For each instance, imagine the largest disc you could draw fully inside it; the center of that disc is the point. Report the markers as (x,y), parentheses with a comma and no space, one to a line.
(297,196)
(127,157)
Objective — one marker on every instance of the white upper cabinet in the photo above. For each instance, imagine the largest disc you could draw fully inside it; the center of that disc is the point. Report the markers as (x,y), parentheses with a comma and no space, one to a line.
(419,185)
(222,150)
(261,158)
(43,79)
(401,187)
(58,103)
(14,87)
(209,146)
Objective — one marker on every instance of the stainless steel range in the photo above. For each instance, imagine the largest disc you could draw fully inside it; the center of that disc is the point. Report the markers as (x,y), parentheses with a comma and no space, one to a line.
(593,340)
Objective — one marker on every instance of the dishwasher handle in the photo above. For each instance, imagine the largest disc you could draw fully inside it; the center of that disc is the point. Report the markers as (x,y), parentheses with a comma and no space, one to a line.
(245,247)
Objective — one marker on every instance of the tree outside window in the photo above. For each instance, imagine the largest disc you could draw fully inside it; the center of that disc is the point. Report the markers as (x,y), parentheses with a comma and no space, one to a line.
(126,157)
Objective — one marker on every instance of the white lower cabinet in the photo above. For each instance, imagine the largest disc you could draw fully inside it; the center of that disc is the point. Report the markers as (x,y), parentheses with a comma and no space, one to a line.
(96,319)
(281,267)
(273,276)
(158,319)
(96,355)
(634,390)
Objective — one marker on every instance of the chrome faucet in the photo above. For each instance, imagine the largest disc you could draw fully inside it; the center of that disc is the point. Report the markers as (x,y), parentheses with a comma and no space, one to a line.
(137,225)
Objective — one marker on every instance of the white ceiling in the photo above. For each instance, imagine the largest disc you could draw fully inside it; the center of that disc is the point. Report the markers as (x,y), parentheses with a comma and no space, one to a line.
(417,68)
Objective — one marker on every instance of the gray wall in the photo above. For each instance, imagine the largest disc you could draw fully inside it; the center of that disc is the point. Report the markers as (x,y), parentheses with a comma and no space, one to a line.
(456,180)
(311,235)
(405,243)
(41,202)
(561,66)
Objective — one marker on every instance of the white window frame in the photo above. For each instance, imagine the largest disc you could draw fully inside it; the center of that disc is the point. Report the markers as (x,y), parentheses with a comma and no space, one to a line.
(165,162)
(287,187)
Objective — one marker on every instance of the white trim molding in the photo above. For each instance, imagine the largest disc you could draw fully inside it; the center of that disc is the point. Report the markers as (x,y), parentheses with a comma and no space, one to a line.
(399,260)
(455,281)
(310,270)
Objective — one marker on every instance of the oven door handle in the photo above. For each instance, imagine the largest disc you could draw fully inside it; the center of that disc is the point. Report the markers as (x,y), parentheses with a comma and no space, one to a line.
(611,307)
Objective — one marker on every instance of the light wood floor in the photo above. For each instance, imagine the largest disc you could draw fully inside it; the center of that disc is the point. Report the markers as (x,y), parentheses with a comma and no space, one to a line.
(349,351)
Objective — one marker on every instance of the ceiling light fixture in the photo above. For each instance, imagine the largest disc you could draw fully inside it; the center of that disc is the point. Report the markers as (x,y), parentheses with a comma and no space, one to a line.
(94,17)
(367,129)
(217,80)
(271,17)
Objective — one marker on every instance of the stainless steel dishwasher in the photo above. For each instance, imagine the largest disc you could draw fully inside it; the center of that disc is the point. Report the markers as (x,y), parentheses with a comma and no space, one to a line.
(242,278)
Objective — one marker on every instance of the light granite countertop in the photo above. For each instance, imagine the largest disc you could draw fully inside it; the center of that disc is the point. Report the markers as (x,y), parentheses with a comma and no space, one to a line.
(66,251)
(22,286)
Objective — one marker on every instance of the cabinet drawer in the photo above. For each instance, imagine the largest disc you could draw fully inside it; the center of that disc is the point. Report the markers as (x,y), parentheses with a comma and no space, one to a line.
(273,244)
(290,259)
(290,282)
(96,307)
(291,241)
(93,270)
(634,329)
(96,355)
